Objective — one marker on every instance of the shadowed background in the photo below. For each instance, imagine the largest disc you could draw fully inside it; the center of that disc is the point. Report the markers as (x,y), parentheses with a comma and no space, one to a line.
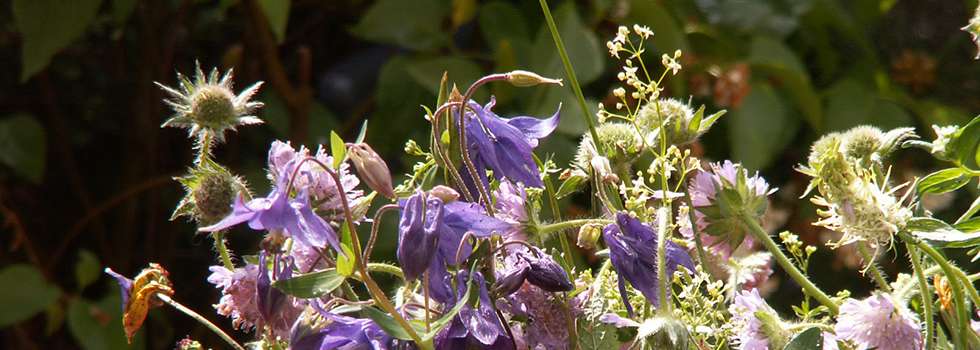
(85,170)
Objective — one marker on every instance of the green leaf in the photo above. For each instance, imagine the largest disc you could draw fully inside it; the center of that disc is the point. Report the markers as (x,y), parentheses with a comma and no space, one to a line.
(338,149)
(942,181)
(810,339)
(97,326)
(969,226)
(571,185)
(761,127)
(941,234)
(387,323)
(87,269)
(277,12)
(47,26)
(504,28)
(668,35)
(773,58)
(25,293)
(22,140)
(965,144)
(311,285)
(363,133)
(774,17)
(345,260)
(411,24)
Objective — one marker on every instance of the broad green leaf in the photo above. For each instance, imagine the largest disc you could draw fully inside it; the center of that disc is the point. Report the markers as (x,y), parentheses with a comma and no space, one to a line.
(942,181)
(411,24)
(941,234)
(25,293)
(761,127)
(98,325)
(311,285)
(398,99)
(969,226)
(277,13)
(22,140)
(87,269)
(810,339)
(965,144)
(47,26)
(773,58)
(338,149)
(774,17)
(501,23)
(668,35)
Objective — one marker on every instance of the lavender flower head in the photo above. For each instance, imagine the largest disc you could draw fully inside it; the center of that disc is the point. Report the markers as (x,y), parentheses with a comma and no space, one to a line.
(878,322)
(715,195)
(503,145)
(511,207)
(750,329)
(633,253)
(312,177)
(240,300)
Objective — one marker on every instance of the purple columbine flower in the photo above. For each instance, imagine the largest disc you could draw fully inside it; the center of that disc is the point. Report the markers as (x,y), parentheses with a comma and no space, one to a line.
(878,322)
(748,327)
(475,325)
(278,212)
(283,160)
(418,233)
(340,332)
(504,145)
(536,267)
(633,253)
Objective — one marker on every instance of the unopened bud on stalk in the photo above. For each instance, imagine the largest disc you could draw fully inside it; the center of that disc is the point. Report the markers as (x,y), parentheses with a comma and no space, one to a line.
(372,169)
(588,235)
(446,194)
(522,78)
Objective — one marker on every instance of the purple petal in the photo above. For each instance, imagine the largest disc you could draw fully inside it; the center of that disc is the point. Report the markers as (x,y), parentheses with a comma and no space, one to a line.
(317,230)
(241,212)
(534,128)
(618,321)
(125,285)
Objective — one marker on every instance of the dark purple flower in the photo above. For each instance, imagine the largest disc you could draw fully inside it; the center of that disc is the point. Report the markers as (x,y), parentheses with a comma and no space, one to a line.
(633,253)
(547,274)
(511,280)
(417,233)
(341,332)
(270,301)
(504,145)
(476,325)
(278,212)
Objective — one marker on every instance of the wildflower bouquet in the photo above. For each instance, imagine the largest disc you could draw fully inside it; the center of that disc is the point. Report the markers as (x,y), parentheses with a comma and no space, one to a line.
(486,258)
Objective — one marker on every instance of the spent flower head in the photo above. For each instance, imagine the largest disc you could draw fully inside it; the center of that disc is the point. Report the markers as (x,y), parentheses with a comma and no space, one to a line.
(207,106)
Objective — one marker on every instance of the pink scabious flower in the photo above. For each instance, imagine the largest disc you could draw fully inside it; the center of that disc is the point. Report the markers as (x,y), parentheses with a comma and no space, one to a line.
(721,234)
(510,206)
(748,327)
(877,322)
(240,300)
(547,320)
(314,178)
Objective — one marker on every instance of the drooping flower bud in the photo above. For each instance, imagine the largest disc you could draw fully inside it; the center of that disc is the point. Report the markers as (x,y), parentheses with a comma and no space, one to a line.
(373,170)
(547,274)
(588,235)
(522,78)
(418,233)
(511,281)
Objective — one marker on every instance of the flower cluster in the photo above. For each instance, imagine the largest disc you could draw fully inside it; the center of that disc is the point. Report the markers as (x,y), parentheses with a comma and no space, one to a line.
(682,257)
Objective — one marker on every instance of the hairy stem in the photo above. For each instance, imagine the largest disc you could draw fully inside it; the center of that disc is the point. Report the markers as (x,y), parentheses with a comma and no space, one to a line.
(926,295)
(200,319)
(870,265)
(760,234)
(564,225)
(219,245)
(958,298)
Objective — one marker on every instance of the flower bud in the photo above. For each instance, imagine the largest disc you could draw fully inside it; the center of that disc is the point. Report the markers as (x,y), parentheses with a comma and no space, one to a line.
(511,281)
(213,196)
(373,170)
(522,78)
(547,274)
(445,193)
(413,148)
(588,235)
(664,332)
(189,344)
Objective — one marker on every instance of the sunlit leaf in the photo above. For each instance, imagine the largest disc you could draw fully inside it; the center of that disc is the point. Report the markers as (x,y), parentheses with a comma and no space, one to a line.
(311,285)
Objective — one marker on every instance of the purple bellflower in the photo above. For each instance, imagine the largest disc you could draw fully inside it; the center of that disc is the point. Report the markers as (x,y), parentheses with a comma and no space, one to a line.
(340,332)
(537,268)
(504,145)
(421,218)
(633,253)
(475,325)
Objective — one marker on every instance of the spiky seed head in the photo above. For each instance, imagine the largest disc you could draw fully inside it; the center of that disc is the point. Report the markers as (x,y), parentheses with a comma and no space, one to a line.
(619,141)
(213,106)
(214,196)
(861,142)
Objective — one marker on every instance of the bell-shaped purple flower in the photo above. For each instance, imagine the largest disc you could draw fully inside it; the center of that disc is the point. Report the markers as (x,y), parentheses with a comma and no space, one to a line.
(341,332)
(269,300)
(547,274)
(504,145)
(418,233)
(278,212)
(475,325)
(511,280)
(633,253)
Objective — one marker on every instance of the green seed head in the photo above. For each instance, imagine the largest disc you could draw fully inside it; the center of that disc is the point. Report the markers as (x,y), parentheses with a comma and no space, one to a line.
(213,106)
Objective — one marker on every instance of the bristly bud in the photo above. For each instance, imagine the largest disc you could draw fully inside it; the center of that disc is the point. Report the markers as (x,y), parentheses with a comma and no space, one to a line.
(664,332)
(208,107)
(619,142)
(681,124)
(211,191)
(373,170)
(522,78)
(868,144)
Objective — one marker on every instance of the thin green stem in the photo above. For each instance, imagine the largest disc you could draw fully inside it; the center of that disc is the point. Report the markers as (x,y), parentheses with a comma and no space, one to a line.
(663,216)
(200,319)
(566,248)
(958,297)
(872,266)
(760,234)
(564,225)
(219,245)
(926,295)
(702,258)
(570,73)
(386,268)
